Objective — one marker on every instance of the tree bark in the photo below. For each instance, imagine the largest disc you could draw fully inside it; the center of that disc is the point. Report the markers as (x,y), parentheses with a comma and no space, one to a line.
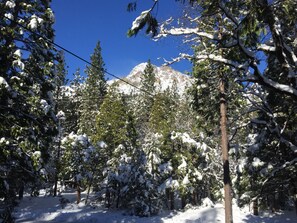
(224,145)
(255,207)
(57,161)
(89,189)
(78,193)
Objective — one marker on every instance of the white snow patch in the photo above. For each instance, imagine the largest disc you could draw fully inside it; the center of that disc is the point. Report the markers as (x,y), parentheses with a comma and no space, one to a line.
(183,164)
(35,20)
(18,64)
(186,180)
(136,23)
(61,115)
(45,106)
(257,162)
(18,53)
(102,144)
(206,202)
(9,16)
(4,82)
(10,4)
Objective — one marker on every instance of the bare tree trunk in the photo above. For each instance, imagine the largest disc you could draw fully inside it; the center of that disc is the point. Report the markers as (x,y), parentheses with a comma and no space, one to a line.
(255,207)
(118,197)
(21,190)
(107,198)
(224,145)
(295,203)
(78,193)
(171,194)
(183,200)
(57,161)
(89,189)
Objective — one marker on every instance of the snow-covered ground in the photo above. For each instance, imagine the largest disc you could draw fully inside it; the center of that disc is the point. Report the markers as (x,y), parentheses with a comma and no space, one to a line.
(48,209)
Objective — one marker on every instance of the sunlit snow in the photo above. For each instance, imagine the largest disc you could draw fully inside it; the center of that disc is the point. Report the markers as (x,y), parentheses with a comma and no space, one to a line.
(46,208)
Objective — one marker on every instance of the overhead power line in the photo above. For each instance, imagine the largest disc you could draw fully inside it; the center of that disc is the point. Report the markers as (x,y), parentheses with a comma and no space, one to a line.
(76,55)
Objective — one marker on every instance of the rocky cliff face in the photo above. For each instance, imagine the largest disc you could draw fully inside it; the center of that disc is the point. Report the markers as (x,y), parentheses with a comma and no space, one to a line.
(166,77)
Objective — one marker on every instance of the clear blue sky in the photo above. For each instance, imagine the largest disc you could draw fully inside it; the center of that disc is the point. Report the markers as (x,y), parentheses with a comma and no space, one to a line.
(80,24)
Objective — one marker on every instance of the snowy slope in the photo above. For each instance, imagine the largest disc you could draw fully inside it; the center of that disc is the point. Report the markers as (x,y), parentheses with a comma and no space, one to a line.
(165,77)
(48,209)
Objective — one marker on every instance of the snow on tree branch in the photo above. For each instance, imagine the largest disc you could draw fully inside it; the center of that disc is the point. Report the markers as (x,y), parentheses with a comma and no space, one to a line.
(163,32)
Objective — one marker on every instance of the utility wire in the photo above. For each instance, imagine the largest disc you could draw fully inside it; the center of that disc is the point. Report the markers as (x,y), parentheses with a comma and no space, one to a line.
(77,56)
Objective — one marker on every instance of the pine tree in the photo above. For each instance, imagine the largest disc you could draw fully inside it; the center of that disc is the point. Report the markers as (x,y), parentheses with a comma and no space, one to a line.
(28,121)
(81,160)
(271,163)
(72,97)
(145,99)
(61,81)
(93,93)
(115,127)
(161,117)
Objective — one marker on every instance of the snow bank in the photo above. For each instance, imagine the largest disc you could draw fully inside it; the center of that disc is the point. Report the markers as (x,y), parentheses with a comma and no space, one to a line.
(49,209)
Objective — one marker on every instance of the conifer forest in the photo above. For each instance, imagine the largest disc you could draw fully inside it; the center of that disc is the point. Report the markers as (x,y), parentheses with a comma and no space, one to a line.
(226,131)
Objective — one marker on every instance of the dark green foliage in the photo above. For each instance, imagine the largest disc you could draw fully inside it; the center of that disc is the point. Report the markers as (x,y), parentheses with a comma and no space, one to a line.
(145,19)
(112,124)
(145,99)
(28,81)
(93,93)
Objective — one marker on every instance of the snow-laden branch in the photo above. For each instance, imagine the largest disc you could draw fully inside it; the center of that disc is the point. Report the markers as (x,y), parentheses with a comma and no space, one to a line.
(257,77)
(182,56)
(280,87)
(217,58)
(278,169)
(291,53)
(136,23)
(180,31)
(277,129)
(267,48)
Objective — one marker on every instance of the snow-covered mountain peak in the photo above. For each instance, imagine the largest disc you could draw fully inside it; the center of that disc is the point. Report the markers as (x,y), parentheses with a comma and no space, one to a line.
(137,69)
(166,77)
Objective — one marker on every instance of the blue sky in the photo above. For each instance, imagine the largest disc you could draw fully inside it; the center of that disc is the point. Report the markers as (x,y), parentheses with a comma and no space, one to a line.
(80,24)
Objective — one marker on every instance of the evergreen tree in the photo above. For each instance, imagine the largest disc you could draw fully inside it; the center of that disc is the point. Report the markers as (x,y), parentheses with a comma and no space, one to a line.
(28,80)
(115,126)
(93,93)
(61,81)
(148,80)
(81,161)
(72,97)
(161,117)
(271,163)
(145,99)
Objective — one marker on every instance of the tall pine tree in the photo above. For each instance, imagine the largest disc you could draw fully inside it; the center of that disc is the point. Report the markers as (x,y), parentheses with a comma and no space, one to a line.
(93,93)
(145,99)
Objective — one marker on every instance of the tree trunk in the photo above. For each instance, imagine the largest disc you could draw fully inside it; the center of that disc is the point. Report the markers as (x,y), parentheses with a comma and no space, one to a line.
(89,189)
(183,201)
(194,198)
(57,161)
(78,193)
(295,203)
(118,197)
(171,194)
(21,191)
(255,207)
(107,199)
(224,145)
